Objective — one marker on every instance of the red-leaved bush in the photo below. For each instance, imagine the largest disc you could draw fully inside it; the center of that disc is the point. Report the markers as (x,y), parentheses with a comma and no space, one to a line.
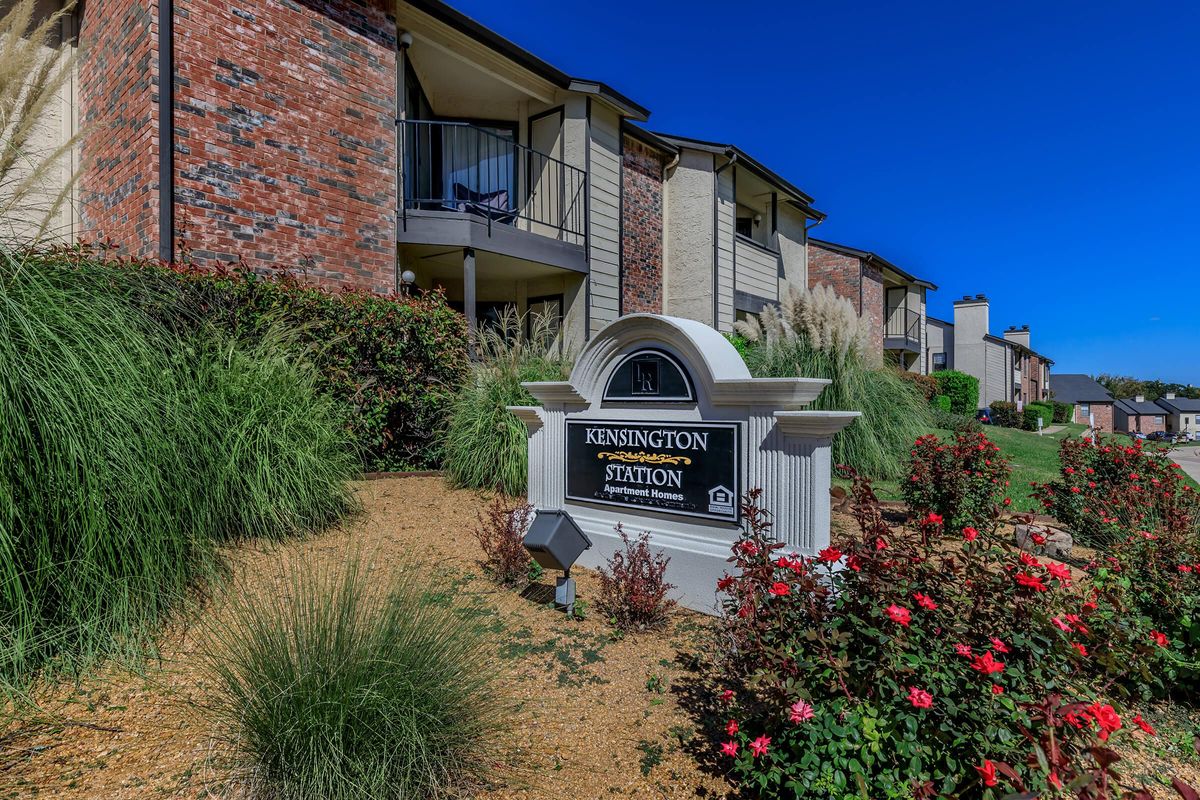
(633,588)
(500,531)
(964,481)
(910,662)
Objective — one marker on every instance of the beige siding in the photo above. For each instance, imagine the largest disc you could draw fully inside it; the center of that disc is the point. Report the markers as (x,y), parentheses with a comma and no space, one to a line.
(996,369)
(757,271)
(56,127)
(688,248)
(726,227)
(792,240)
(604,226)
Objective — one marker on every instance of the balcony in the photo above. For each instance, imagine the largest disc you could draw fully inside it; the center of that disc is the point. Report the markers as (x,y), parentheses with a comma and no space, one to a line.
(471,186)
(902,330)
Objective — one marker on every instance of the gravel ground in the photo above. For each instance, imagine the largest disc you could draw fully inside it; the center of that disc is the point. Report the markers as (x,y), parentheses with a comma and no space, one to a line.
(600,716)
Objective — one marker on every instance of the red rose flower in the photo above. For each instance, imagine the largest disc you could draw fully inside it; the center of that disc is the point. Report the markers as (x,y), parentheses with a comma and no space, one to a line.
(962,650)
(987,664)
(997,689)
(1030,581)
(970,534)
(920,698)
(987,772)
(925,601)
(1000,646)
(829,554)
(899,614)
(730,749)
(932,519)
(725,583)
(731,727)
(1159,638)
(1106,717)
(759,746)
(727,696)
(1059,572)
(1146,726)
(780,589)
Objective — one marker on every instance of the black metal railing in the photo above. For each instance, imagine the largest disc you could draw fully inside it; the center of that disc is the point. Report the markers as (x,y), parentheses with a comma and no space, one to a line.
(902,323)
(455,166)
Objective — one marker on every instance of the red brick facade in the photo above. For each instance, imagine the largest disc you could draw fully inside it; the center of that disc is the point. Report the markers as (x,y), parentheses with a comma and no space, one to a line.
(1033,387)
(1145,423)
(642,228)
(118,82)
(1103,412)
(285,133)
(861,284)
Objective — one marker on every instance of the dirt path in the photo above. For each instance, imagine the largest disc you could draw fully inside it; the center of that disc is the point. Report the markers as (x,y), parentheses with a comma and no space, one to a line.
(600,714)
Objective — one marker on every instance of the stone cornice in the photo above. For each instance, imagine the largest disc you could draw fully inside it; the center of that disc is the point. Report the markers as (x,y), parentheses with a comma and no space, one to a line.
(530,415)
(786,393)
(553,392)
(817,424)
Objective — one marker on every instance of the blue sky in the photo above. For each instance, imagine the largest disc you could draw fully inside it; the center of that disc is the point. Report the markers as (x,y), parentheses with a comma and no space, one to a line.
(1046,154)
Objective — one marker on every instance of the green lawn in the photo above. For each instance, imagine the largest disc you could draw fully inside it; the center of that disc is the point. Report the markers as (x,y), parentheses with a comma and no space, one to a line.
(1033,457)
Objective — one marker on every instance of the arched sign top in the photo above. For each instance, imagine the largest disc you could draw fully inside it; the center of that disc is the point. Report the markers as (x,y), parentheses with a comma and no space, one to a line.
(650,375)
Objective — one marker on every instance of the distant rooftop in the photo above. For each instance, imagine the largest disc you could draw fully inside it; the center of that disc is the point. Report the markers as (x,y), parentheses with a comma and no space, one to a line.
(1070,388)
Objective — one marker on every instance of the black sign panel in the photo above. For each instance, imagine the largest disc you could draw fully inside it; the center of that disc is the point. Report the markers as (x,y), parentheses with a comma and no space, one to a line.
(675,467)
(650,375)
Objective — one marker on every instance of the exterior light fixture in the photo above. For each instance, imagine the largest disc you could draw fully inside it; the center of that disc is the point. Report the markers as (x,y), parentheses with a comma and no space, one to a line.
(407,279)
(554,541)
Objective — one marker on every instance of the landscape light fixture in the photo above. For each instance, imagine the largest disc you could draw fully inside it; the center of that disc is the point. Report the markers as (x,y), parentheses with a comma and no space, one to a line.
(407,279)
(554,541)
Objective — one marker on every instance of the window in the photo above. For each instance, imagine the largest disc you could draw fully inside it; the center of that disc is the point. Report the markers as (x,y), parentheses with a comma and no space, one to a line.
(1158,419)
(939,361)
(1085,411)
(745,227)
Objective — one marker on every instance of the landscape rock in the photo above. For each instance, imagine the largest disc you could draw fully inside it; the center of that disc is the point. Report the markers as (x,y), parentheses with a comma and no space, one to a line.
(1044,539)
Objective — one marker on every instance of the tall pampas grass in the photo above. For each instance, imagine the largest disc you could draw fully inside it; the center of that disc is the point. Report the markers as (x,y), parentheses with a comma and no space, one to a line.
(817,334)
(33,74)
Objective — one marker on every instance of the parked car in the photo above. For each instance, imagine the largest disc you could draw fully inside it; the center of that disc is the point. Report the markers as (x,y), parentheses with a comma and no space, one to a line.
(1136,435)
(1161,436)
(984,415)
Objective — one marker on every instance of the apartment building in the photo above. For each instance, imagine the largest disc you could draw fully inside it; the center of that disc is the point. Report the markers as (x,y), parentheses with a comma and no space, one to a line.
(893,300)
(370,145)
(735,233)
(1007,367)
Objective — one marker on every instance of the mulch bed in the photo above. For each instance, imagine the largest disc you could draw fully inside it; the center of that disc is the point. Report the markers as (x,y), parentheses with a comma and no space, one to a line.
(600,715)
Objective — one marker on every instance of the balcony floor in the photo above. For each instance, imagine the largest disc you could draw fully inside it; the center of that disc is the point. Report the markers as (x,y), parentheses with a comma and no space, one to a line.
(457,229)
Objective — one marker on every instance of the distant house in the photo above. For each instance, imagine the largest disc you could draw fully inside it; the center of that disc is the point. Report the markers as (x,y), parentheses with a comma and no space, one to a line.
(1007,368)
(1089,399)
(1183,414)
(1138,415)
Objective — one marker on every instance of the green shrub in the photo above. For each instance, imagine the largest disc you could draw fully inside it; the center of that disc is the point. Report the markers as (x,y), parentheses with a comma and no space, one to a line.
(486,446)
(354,686)
(942,402)
(1005,414)
(926,385)
(392,365)
(1062,412)
(961,388)
(1035,411)
(958,423)
(127,451)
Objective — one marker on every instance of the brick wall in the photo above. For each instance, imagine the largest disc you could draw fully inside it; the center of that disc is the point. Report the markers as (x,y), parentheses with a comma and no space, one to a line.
(285,136)
(1146,424)
(118,190)
(861,285)
(872,303)
(642,228)
(1103,413)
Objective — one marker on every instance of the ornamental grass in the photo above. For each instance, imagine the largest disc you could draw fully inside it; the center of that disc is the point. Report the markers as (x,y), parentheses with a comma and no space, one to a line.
(354,684)
(127,453)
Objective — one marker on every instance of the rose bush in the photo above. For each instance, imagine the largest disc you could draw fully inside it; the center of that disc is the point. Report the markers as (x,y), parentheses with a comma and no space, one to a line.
(963,481)
(1107,488)
(900,664)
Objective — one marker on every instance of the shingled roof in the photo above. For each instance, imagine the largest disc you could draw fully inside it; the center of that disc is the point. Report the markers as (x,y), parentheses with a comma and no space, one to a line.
(1078,389)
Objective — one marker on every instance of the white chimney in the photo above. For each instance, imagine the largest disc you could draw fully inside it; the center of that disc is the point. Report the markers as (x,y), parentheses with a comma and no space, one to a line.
(1141,398)
(1170,395)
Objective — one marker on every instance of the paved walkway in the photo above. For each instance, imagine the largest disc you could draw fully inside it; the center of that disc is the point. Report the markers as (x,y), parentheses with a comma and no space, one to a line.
(1052,429)
(1188,457)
